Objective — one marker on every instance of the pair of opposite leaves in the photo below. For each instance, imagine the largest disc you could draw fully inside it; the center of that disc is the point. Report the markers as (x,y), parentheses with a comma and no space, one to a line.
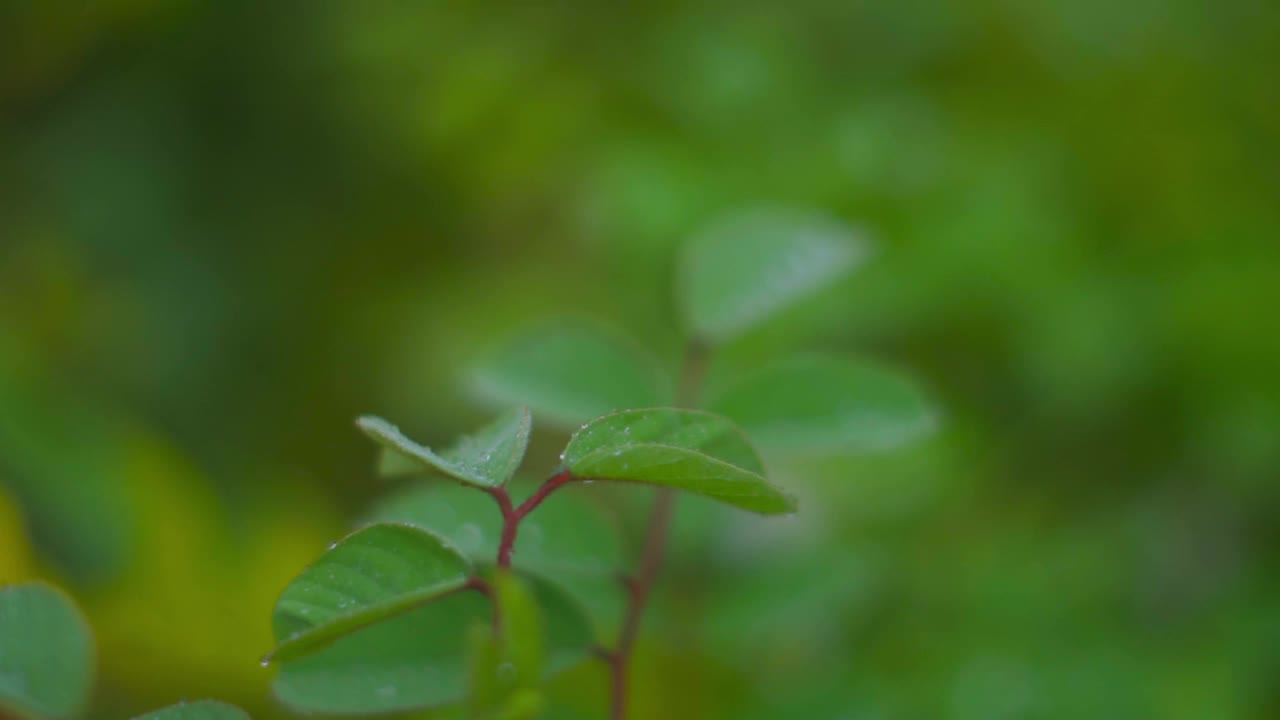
(729,281)
(384,569)
(389,570)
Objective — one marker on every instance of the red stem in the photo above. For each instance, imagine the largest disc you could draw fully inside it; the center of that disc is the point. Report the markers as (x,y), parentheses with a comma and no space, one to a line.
(655,540)
(478,584)
(638,587)
(541,493)
(511,516)
(509,525)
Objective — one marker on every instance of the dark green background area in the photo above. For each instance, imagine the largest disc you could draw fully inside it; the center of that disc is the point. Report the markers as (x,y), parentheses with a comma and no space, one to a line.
(229,228)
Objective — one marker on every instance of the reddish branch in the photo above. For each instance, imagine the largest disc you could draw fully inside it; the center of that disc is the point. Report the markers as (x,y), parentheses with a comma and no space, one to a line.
(478,584)
(511,516)
(638,587)
(655,541)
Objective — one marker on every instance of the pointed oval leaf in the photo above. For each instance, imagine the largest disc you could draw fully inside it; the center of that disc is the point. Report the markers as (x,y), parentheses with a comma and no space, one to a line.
(418,659)
(827,404)
(372,574)
(570,373)
(486,459)
(685,449)
(198,710)
(46,653)
(745,269)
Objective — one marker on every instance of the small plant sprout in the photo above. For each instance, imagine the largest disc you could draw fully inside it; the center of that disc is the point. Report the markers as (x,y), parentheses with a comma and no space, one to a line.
(459,596)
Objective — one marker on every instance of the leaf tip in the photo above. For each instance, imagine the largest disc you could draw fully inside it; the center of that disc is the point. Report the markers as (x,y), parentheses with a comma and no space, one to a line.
(374,425)
(781,503)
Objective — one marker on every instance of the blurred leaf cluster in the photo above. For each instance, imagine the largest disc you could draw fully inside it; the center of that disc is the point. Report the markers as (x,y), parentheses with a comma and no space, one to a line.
(228,228)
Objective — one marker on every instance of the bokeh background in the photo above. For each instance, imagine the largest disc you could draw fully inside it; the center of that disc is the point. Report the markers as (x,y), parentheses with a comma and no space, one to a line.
(229,227)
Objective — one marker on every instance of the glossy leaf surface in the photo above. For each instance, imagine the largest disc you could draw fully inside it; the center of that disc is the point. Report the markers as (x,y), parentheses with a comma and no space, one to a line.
(372,574)
(418,659)
(685,449)
(486,459)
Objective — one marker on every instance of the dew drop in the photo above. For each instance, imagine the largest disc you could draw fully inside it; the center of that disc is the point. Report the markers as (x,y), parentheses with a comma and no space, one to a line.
(265,661)
(332,545)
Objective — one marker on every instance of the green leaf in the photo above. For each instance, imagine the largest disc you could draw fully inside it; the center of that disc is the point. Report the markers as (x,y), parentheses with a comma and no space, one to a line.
(486,459)
(521,634)
(524,704)
(685,449)
(569,373)
(567,635)
(372,574)
(198,710)
(826,404)
(487,689)
(742,271)
(569,539)
(418,659)
(46,653)
(508,659)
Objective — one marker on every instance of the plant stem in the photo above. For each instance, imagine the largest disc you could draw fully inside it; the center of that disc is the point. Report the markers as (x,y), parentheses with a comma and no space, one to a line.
(638,587)
(651,552)
(479,585)
(511,516)
(692,369)
(509,526)
(541,493)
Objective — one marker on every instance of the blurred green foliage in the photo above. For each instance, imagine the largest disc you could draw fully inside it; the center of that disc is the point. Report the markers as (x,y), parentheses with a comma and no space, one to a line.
(228,228)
